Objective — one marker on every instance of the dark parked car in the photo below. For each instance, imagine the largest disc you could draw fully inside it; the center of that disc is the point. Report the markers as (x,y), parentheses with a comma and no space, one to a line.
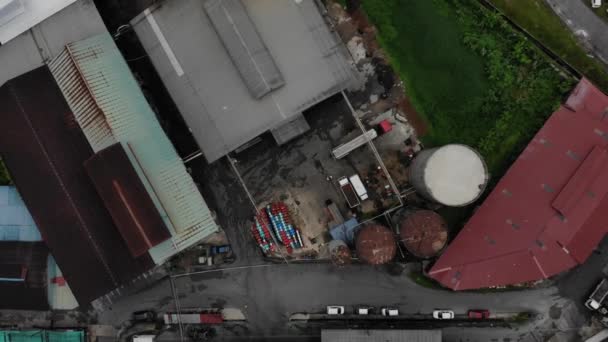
(144,316)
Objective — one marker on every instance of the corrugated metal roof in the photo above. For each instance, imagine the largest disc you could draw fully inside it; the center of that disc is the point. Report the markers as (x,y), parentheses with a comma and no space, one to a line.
(547,213)
(110,107)
(16,222)
(45,150)
(356,335)
(245,46)
(25,14)
(71,335)
(207,88)
(127,199)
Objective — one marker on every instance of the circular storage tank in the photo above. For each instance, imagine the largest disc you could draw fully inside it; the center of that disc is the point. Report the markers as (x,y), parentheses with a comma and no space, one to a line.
(453,175)
(340,253)
(424,233)
(376,244)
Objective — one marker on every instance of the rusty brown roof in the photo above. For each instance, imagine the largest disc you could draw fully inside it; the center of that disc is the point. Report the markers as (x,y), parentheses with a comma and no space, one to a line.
(423,232)
(44,149)
(127,200)
(376,244)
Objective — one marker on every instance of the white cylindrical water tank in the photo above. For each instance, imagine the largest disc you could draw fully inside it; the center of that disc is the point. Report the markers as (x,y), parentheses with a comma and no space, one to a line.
(454,175)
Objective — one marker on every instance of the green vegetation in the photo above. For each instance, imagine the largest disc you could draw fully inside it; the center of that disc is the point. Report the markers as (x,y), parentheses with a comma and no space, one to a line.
(424,281)
(536,17)
(4,177)
(471,76)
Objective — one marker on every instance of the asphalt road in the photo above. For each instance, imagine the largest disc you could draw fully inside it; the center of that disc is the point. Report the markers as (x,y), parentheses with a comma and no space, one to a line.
(268,295)
(591,29)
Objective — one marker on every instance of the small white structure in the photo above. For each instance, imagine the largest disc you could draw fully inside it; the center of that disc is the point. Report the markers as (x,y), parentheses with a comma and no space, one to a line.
(454,175)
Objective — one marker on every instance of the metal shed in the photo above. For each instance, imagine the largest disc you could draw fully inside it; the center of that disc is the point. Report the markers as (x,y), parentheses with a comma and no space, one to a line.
(127,199)
(44,149)
(364,335)
(109,107)
(197,68)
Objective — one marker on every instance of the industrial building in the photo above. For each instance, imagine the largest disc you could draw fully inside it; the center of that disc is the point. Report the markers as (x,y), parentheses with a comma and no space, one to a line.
(364,335)
(29,277)
(103,183)
(19,16)
(548,212)
(237,69)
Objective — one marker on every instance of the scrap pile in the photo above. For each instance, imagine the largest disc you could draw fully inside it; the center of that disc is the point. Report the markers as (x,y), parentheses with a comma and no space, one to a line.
(276,215)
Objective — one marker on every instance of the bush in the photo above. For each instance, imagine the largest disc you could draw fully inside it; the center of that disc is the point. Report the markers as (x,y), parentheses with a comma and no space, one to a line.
(474,79)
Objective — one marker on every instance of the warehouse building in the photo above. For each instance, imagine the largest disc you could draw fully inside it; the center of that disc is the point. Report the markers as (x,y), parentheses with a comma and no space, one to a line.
(102,181)
(19,16)
(548,212)
(237,69)
(365,335)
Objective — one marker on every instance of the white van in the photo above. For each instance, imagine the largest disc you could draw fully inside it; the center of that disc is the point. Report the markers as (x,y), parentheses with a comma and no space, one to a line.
(359,187)
(596,3)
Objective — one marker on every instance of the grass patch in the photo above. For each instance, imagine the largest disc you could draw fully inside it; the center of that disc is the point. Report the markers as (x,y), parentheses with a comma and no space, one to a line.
(536,17)
(424,281)
(473,78)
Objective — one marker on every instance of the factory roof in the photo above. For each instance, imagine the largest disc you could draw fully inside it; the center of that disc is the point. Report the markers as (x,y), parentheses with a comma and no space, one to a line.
(547,213)
(127,200)
(361,335)
(109,107)
(16,223)
(44,149)
(18,16)
(208,77)
(70,335)
(26,261)
(32,48)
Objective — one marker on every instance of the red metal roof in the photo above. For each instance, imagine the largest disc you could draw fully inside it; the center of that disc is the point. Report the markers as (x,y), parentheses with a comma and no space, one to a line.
(127,200)
(545,215)
(45,149)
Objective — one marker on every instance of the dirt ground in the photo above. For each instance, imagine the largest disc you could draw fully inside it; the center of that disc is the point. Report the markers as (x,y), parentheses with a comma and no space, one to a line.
(303,174)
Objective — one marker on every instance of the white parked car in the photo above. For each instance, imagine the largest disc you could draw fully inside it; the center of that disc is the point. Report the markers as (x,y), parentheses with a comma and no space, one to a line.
(335,310)
(390,312)
(443,314)
(596,3)
(364,310)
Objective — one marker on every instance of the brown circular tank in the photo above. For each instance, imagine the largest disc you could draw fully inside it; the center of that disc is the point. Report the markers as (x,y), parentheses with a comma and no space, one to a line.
(424,233)
(376,244)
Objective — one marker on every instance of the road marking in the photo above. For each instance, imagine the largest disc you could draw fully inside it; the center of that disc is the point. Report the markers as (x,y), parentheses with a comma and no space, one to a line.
(163,43)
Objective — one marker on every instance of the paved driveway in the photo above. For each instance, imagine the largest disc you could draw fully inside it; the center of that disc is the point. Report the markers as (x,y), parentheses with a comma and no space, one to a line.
(585,24)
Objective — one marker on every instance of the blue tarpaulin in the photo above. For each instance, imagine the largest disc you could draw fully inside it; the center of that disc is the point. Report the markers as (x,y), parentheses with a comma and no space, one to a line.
(345,231)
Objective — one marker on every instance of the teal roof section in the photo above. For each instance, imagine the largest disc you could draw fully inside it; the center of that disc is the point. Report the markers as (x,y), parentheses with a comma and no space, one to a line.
(110,107)
(42,336)
(16,222)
